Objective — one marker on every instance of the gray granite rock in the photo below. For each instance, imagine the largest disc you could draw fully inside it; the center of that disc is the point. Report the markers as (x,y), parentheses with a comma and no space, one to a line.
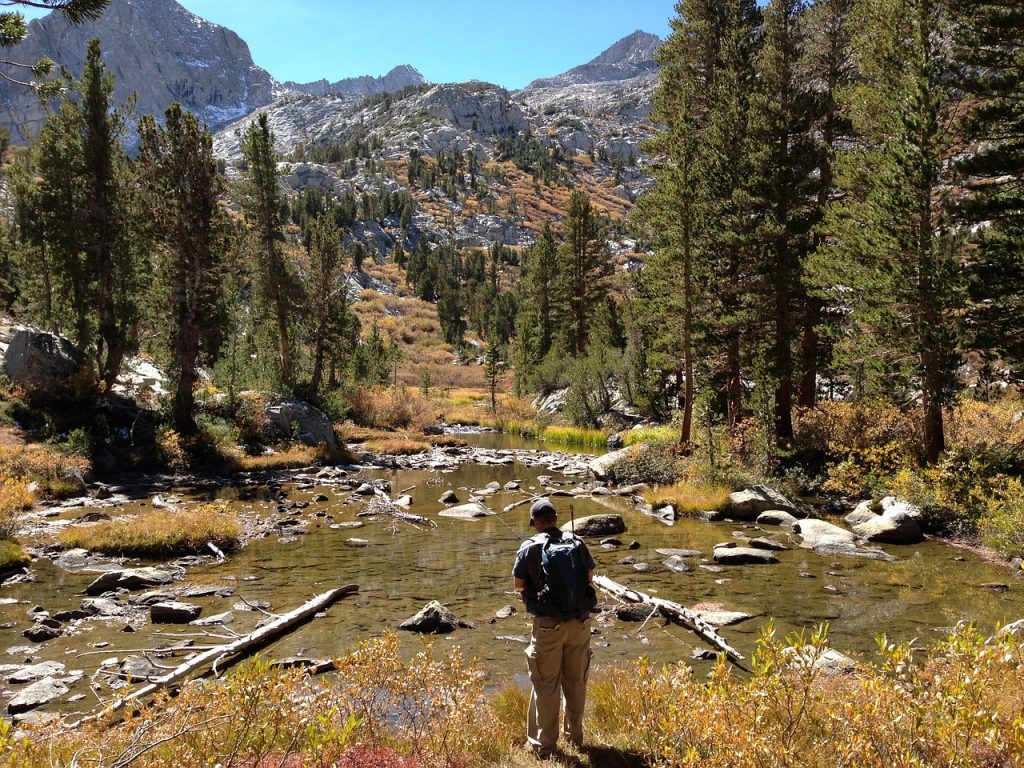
(597,525)
(434,619)
(470,511)
(743,556)
(751,502)
(174,613)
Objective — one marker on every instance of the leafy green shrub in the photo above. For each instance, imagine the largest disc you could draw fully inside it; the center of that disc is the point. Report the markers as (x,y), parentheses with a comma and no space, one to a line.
(77,442)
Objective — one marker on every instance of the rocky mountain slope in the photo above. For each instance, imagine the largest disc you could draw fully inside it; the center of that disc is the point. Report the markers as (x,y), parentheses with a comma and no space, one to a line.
(588,124)
(398,79)
(156,49)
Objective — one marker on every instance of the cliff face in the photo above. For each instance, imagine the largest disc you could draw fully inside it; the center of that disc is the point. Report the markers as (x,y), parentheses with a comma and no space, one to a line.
(156,49)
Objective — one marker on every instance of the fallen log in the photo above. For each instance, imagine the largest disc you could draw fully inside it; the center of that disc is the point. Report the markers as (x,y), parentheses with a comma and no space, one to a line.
(672,611)
(234,650)
(383,505)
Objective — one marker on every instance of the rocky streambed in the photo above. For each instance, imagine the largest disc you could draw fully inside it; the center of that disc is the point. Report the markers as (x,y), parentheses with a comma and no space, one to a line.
(78,628)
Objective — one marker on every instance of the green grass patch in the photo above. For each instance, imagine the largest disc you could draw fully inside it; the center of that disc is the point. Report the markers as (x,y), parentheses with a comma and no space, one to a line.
(688,499)
(655,435)
(12,556)
(576,437)
(159,533)
(518,427)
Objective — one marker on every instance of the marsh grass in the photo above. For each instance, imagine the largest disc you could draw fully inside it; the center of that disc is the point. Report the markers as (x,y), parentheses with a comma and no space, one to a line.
(398,446)
(158,533)
(689,499)
(661,434)
(12,556)
(576,437)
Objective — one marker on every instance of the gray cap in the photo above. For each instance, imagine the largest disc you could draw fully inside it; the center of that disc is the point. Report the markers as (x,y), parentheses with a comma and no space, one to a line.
(542,507)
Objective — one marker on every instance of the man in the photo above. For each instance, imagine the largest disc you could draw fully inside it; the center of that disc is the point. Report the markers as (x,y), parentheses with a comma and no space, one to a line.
(553,572)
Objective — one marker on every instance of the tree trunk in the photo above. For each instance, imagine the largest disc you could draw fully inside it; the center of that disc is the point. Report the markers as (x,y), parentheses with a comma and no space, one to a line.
(685,436)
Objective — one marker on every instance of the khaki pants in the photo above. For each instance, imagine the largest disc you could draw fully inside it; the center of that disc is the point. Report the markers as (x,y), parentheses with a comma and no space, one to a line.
(559,659)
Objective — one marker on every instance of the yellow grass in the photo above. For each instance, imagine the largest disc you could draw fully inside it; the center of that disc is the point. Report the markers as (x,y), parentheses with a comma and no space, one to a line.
(658,434)
(158,533)
(398,446)
(292,458)
(12,556)
(576,437)
(689,499)
(55,473)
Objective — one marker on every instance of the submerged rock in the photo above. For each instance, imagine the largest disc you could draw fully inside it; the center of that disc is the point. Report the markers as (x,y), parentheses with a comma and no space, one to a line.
(434,619)
(469,511)
(174,613)
(678,564)
(132,578)
(596,525)
(36,695)
(743,556)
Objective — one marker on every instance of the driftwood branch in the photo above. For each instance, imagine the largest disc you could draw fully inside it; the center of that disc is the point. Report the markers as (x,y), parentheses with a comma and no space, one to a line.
(672,611)
(383,505)
(234,650)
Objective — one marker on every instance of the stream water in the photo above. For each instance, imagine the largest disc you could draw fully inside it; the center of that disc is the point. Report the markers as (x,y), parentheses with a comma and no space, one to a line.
(467,564)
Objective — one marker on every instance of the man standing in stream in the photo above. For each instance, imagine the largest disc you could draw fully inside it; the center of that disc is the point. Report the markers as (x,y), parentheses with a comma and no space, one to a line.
(553,572)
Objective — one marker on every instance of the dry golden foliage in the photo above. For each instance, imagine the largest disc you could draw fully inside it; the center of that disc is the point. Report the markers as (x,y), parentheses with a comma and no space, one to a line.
(158,533)
(689,499)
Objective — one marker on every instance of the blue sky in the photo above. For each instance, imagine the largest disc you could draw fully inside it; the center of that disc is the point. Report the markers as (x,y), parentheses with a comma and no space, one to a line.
(508,42)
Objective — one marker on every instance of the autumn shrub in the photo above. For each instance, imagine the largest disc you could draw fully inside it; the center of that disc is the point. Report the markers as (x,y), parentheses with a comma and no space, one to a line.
(1002,523)
(973,423)
(391,408)
(689,499)
(867,471)
(159,532)
(839,427)
(15,498)
(56,474)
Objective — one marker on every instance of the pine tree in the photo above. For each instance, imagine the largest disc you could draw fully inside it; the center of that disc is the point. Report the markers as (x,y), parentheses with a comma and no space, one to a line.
(989,37)
(84,221)
(583,269)
(892,256)
(262,203)
(179,175)
(785,184)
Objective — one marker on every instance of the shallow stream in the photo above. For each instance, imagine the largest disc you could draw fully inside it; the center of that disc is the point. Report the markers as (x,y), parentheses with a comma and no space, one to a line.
(467,564)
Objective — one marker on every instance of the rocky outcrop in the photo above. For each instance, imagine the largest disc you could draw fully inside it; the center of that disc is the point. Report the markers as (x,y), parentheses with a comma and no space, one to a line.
(603,466)
(434,619)
(155,49)
(41,362)
(295,419)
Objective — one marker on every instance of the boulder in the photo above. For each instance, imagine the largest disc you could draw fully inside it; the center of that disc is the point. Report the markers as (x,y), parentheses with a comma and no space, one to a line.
(749,503)
(41,361)
(596,525)
(293,418)
(828,661)
(743,556)
(434,619)
(448,497)
(898,523)
(470,511)
(615,442)
(131,578)
(815,533)
(174,613)
(36,695)
(769,544)
(40,633)
(776,517)
(601,467)
(219,618)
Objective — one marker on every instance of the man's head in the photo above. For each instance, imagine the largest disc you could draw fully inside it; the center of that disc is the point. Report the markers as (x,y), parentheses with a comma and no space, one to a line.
(543,514)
